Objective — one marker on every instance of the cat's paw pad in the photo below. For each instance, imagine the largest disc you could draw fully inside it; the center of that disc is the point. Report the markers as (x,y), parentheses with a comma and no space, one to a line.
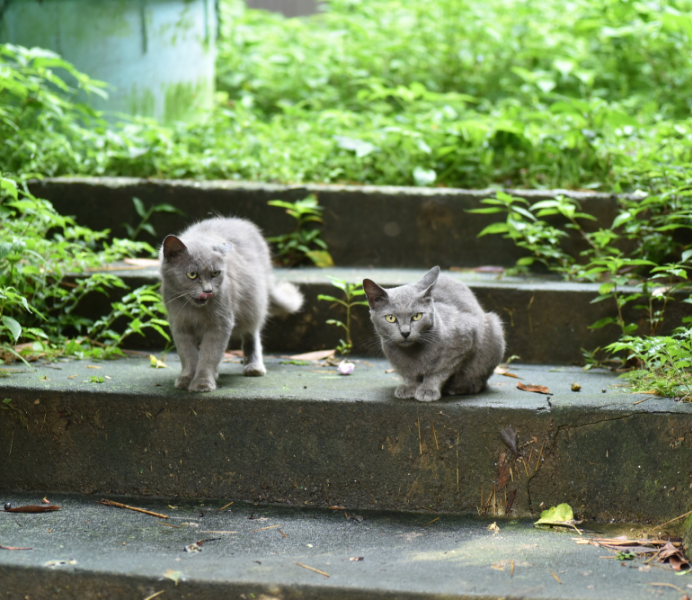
(254,370)
(427,395)
(183,382)
(405,391)
(203,385)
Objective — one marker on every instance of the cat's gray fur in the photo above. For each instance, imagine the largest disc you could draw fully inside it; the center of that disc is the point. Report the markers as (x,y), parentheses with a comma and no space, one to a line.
(203,311)
(451,349)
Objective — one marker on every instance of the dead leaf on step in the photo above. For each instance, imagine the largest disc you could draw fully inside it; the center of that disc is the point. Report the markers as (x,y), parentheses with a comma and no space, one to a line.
(505,372)
(539,389)
(493,527)
(317,355)
(509,438)
(156,363)
(142,262)
(234,354)
(175,576)
(674,556)
(59,563)
(356,558)
(510,500)
(502,475)
(14,548)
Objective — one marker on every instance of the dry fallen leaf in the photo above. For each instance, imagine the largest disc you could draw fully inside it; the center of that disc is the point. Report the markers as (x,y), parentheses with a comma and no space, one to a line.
(493,527)
(356,558)
(156,363)
(539,389)
(505,372)
(509,438)
(317,355)
(31,508)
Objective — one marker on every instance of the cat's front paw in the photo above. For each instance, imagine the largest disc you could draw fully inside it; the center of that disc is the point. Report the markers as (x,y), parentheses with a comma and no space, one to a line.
(424,394)
(183,382)
(406,390)
(203,384)
(254,370)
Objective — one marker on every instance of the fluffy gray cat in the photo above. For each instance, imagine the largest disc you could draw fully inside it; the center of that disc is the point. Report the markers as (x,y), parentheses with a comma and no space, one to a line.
(436,336)
(216,278)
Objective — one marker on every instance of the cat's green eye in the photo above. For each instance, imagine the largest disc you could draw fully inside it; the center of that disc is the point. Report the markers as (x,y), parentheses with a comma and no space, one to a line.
(215,273)
(192,275)
(416,317)
(390,318)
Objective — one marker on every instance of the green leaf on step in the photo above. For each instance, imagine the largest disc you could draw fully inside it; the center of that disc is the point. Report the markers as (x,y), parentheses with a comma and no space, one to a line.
(561,514)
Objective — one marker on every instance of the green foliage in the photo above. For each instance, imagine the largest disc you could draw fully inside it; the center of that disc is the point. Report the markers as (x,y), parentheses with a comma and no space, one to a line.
(663,363)
(352,291)
(304,241)
(48,265)
(145,214)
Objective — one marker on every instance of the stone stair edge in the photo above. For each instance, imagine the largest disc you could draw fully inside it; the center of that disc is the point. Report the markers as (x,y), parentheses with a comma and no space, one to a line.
(423,192)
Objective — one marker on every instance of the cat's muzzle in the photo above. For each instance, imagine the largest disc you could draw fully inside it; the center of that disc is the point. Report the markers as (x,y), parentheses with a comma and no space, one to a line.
(203,297)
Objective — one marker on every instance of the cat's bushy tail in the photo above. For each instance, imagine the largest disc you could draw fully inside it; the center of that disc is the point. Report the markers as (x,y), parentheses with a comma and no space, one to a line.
(284,299)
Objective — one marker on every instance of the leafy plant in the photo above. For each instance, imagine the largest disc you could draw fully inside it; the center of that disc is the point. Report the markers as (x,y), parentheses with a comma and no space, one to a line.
(303,241)
(48,265)
(351,291)
(145,214)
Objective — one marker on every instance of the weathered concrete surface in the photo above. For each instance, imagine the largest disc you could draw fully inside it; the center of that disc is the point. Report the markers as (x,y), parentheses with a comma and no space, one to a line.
(546,320)
(121,554)
(305,435)
(363,225)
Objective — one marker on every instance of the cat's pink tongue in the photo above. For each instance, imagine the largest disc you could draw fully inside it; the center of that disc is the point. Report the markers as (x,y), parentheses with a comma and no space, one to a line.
(205,295)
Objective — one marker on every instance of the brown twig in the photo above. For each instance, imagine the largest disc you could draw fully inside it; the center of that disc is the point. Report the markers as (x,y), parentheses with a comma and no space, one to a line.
(556,577)
(675,587)
(312,569)
(282,533)
(14,548)
(118,505)
(434,434)
(675,519)
(538,462)
(420,441)
(270,527)
(428,523)
(227,505)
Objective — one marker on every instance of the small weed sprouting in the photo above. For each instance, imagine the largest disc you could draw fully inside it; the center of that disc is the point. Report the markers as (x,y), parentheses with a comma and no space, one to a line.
(145,214)
(351,291)
(304,241)
(96,379)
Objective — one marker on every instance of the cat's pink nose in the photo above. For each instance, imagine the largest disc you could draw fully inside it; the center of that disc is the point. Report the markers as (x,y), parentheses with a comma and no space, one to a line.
(205,295)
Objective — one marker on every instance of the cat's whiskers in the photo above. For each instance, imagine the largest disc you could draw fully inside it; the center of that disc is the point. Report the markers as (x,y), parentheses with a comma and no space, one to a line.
(176,298)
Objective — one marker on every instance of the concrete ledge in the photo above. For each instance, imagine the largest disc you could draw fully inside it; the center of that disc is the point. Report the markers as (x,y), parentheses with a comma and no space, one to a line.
(123,555)
(546,320)
(401,227)
(305,435)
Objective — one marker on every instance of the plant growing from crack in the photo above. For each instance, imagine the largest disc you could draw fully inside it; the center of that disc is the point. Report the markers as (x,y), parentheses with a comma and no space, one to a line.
(352,291)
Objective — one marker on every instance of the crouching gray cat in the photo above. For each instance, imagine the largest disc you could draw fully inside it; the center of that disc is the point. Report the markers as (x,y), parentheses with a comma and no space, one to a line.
(217,277)
(436,336)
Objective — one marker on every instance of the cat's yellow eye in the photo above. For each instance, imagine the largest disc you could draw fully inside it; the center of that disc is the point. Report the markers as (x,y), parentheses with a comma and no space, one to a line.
(192,275)
(215,273)
(416,317)
(390,318)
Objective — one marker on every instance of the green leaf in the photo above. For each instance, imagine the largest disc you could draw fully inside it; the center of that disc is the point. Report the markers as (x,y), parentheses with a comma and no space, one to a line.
(606,288)
(321,258)
(561,514)
(494,228)
(14,327)
(139,207)
(602,323)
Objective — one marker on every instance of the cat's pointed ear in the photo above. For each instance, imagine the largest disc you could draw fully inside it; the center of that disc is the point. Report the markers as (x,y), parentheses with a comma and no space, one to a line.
(173,247)
(428,281)
(223,248)
(376,295)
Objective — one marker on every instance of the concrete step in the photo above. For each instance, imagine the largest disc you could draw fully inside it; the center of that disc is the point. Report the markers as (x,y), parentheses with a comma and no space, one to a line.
(263,553)
(303,435)
(546,320)
(364,226)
